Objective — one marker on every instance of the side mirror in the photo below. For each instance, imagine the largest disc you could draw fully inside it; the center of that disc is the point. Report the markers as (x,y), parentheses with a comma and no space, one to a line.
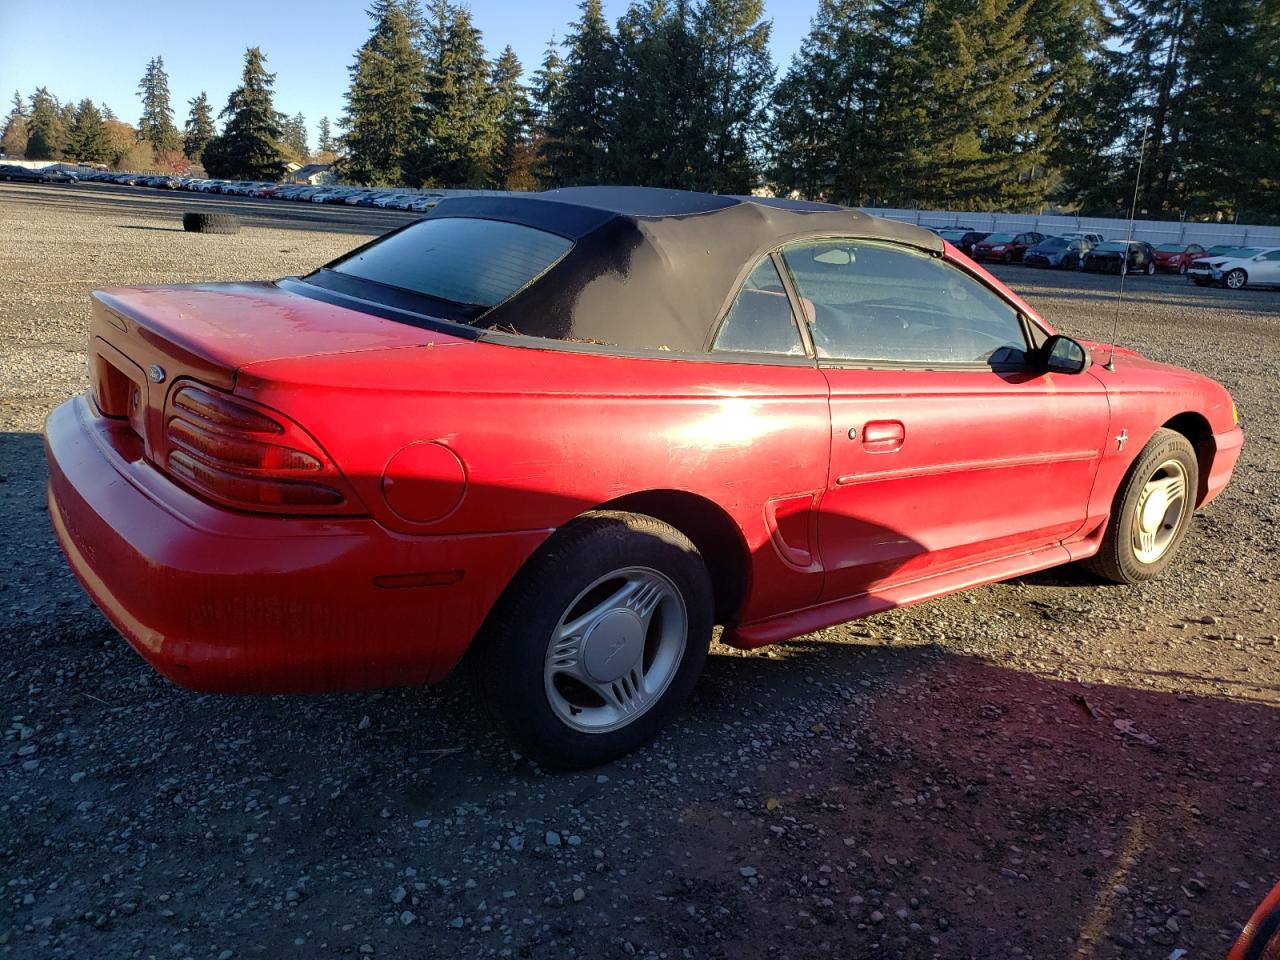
(1061,354)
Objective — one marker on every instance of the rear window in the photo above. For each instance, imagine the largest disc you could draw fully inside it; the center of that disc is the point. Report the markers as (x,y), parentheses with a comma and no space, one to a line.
(471,262)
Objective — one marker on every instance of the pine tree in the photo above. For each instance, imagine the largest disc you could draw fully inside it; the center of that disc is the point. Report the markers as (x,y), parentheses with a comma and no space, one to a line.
(295,137)
(379,118)
(156,124)
(835,107)
(87,136)
(457,129)
(577,146)
(978,94)
(13,141)
(511,165)
(545,89)
(325,144)
(658,85)
(45,130)
(735,82)
(199,129)
(1069,37)
(1231,113)
(249,146)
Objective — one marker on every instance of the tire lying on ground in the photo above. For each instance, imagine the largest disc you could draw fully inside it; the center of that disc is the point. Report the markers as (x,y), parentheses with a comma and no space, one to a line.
(210,223)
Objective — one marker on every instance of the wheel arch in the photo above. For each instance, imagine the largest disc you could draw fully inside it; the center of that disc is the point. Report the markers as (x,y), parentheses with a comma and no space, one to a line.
(712,530)
(1199,432)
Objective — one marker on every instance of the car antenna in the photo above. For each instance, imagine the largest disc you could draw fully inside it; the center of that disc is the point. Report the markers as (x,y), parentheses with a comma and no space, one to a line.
(1110,365)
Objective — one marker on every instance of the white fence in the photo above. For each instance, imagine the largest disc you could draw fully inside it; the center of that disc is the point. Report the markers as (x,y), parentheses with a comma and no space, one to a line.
(1153,231)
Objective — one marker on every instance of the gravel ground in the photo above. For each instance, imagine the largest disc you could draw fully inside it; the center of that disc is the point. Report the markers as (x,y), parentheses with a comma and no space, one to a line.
(1040,768)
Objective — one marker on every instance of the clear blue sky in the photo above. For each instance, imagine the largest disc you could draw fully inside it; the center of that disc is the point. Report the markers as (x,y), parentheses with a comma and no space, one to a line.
(99,48)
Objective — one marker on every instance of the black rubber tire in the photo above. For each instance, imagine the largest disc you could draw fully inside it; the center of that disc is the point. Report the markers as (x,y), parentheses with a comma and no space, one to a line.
(1244,279)
(1007,258)
(507,660)
(1182,270)
(210,223)
(1151,270)
(1115,559)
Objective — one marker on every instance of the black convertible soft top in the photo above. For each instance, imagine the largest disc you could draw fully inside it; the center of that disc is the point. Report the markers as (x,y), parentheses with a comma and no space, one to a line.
(653,269)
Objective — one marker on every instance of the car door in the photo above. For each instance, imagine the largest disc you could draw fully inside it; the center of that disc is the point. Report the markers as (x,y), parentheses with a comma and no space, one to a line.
(788,451)
(947,448)
(1265,268)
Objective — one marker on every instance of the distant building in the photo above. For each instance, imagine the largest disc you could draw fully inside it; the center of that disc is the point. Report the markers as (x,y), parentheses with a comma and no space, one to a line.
(313,173)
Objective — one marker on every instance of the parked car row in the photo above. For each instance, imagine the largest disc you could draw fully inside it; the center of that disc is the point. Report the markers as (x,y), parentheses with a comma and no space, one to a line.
(1089,251)
(332,193)
(13,171)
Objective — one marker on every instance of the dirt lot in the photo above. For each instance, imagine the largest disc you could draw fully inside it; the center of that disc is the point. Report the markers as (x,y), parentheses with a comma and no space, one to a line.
(1043,768)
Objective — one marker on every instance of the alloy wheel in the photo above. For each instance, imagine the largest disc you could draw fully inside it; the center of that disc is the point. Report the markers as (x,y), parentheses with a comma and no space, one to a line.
(615,650)
(1159,511)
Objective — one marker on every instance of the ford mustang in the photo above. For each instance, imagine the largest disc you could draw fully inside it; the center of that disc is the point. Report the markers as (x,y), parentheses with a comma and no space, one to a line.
(567,434)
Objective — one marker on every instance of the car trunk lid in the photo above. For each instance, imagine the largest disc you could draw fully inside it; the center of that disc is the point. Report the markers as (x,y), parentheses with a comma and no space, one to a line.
(145,339)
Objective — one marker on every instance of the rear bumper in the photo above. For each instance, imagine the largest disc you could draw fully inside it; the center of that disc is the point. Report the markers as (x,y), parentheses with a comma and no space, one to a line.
(231,602)
(1226,454)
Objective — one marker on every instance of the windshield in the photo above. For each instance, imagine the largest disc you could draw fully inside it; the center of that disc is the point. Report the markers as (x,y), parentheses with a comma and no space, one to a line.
(999,238)
(470,262)
(1220,250)
(1171,248)
(952,235)
(1112,246)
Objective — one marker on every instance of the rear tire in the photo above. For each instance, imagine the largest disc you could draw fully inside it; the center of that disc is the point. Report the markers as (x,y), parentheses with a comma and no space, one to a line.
(611,593)
(1150,517)
(210,223)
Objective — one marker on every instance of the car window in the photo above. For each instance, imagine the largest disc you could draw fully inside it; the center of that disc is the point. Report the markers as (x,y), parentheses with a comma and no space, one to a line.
(457,259)
(760,320)
(876,301)
(1273,255)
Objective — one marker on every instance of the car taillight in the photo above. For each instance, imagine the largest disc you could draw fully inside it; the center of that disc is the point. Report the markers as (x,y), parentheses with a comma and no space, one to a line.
(246,456)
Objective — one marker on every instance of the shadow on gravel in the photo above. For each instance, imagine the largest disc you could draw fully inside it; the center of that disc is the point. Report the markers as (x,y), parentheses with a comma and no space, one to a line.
(817,798)
(134,226)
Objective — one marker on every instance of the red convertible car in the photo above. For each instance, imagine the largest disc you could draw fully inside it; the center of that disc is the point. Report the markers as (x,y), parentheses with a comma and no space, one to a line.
(566,434)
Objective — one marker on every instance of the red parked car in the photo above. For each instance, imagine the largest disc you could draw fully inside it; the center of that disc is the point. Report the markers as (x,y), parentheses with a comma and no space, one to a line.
(1176,257)
(1006,247)
(566,434)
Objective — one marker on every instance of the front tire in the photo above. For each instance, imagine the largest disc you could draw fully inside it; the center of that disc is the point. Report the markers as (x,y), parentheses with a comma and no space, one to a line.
(599,641)
(1151,269)
(1235,280)
(1152,512)
(1007,258)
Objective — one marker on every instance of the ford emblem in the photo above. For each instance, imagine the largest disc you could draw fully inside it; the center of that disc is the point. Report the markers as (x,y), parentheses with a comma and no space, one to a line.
(156,373)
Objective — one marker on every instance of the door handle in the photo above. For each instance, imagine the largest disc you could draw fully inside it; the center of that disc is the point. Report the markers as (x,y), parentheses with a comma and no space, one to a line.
(882,436)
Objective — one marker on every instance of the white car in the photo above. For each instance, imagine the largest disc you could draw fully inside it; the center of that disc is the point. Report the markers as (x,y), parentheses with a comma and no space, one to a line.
(1259,266)
(1093,238)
